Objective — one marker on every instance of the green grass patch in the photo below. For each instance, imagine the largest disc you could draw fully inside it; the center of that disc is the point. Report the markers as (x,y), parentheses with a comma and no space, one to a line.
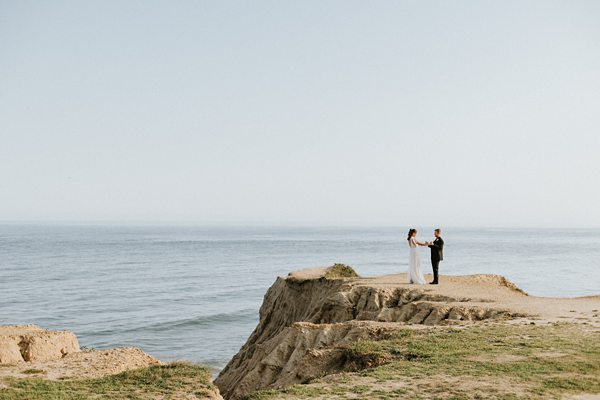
(173,380)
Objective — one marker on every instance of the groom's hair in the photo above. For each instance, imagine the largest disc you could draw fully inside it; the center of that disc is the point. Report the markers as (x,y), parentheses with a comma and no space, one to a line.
(438,230)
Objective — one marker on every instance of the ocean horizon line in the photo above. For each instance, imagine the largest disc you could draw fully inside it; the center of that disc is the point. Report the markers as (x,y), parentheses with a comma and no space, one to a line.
(242,225)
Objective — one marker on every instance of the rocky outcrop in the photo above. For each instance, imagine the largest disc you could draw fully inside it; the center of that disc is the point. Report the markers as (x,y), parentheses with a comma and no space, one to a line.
(30,351)
(307,318)
(31,343)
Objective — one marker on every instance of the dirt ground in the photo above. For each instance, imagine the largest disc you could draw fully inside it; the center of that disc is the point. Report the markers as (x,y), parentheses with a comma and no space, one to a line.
(81,365)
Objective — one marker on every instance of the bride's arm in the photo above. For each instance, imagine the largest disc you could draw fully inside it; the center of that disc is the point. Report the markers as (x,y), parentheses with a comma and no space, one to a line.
(420,243)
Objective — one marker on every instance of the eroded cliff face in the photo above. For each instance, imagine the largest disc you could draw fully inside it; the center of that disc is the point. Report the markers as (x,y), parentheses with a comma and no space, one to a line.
(307,318)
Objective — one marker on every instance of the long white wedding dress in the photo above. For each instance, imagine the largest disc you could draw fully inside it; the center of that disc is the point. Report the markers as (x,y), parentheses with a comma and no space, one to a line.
(414,264)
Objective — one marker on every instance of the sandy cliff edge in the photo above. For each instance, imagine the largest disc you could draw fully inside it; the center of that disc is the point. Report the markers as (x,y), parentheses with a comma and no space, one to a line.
(307,316)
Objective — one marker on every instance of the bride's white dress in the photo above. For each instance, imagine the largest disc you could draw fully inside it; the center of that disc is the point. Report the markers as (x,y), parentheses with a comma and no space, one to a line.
(414,264)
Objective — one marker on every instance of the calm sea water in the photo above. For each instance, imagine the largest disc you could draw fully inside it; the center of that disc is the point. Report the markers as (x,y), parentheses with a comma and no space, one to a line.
(194,292)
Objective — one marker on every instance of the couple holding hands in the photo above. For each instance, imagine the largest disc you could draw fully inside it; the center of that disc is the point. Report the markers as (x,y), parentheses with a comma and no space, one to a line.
(414,262)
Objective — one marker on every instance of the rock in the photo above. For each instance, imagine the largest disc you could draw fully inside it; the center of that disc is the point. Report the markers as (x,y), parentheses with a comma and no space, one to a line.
(10,353)
(32,343)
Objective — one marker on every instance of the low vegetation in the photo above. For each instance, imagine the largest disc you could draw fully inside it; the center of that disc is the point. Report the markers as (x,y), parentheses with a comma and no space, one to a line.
(340,271)
(480,362)
(171,381)
(33,371)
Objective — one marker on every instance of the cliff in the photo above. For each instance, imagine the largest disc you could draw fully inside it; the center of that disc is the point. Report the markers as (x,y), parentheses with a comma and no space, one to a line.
(310,319)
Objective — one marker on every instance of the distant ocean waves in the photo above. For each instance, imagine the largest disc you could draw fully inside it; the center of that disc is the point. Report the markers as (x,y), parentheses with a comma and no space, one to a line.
(217,320)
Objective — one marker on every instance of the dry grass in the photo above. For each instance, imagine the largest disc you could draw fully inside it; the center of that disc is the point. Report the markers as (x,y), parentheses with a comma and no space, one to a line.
(340,271)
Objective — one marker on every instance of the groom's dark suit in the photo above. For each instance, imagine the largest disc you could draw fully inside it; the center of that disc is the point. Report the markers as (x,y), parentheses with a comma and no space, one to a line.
(437,255)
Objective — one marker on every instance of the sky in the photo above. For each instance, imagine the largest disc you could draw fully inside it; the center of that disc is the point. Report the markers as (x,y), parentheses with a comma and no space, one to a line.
(461,113)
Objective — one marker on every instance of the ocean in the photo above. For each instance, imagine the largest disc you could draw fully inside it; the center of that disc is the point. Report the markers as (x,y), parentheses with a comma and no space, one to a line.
(193,293)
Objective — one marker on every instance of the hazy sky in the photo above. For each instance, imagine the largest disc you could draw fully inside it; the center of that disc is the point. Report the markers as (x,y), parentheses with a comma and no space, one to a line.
(479,113)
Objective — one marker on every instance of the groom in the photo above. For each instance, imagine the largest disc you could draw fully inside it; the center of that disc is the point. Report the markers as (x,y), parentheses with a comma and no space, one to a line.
(437,254)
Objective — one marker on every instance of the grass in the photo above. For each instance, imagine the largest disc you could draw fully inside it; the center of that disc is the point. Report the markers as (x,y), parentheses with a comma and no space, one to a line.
(340,271)
(481,362)
(33,371)
(171,381)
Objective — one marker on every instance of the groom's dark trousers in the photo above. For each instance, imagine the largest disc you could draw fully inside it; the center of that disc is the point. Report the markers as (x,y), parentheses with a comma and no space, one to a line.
(437,255)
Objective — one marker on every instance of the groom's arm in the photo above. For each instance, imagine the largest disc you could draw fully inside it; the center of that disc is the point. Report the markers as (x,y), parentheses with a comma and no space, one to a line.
(438,245)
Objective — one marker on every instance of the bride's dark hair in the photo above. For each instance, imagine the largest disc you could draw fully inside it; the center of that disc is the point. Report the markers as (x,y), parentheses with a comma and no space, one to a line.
(410,233)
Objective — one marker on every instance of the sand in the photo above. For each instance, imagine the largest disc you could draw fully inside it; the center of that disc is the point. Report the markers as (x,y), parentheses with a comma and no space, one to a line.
(502,293)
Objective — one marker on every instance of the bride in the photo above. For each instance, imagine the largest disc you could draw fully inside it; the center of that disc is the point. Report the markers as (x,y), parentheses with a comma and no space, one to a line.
(414,261)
